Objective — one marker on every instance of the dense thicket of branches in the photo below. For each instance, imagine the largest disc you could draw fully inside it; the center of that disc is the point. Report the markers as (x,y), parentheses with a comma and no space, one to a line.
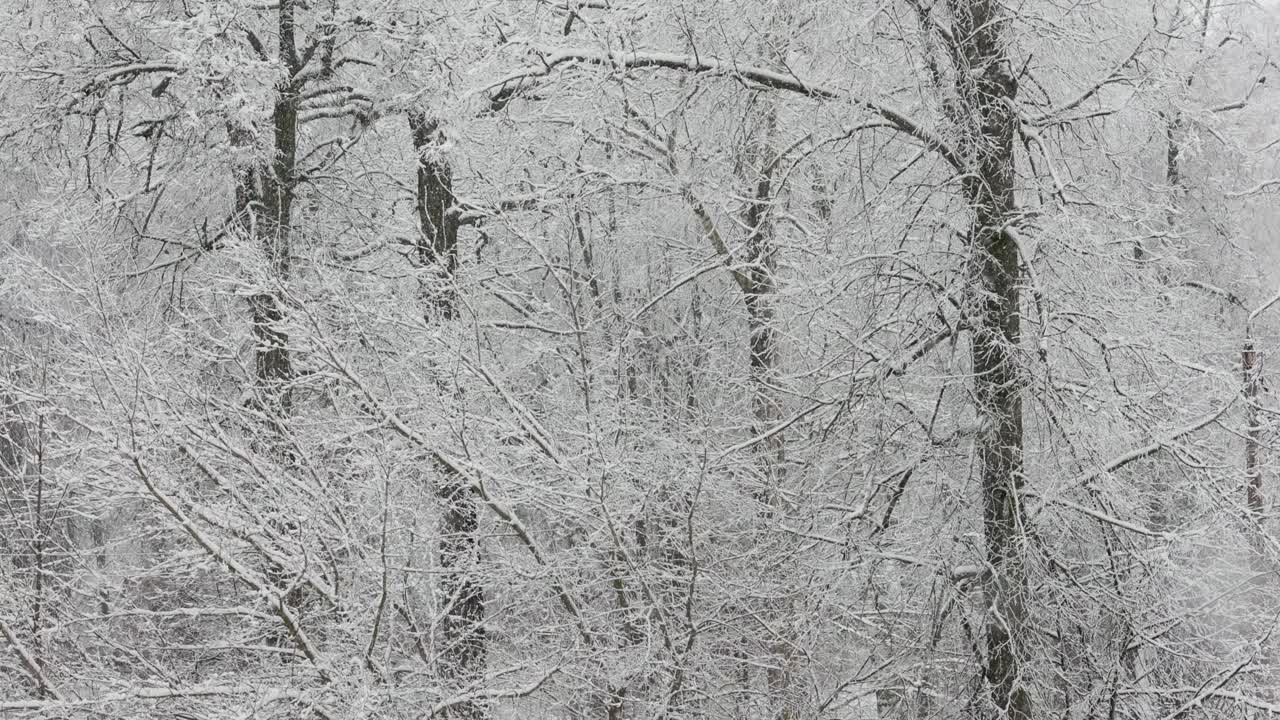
(777,359)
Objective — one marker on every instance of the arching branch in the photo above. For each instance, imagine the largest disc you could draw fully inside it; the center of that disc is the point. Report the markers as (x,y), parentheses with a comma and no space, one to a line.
(551,58)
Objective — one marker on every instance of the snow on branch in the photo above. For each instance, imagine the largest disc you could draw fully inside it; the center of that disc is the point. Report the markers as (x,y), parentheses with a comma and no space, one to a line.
(471,212)
(1037,290)
(1132,527)
(1116,75)
(1265,184)
(438,709)
(1138,453)
(1248,700)
(880,371)
(528,422)
(28,662)
(474,478)
(1263,308)
(1153,447)
(552,58)
(161,693)
(123,74)
(1223,293)
(265,590)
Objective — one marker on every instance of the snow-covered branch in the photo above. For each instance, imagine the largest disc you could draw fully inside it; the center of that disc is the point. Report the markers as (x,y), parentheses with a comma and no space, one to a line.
(1116,75)
(273,598)
(28,662)
(550,58)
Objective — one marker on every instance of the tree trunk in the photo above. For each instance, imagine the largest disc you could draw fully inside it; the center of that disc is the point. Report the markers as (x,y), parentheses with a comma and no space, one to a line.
(438,226)
(273,363)
(759,289)
(1251,365)
(987,89)
(264,207)
(462,659)
(762,333)
(760,296)
(264,201)
(1175,126)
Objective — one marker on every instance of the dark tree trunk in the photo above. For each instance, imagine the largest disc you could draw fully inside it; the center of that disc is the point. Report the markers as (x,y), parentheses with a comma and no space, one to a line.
(766,405)
(1175,129)
(462,660)
(759,294)
(987,89)
(267,206)
(760,288)
(264,198)
(1252,368)
(437,224)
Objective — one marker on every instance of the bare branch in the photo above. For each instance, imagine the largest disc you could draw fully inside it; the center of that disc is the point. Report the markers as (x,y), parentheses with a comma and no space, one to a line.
(1265,184)
(1150,448)
(1037,292)
(552,58)
(1213,290)
(474,478)
(1131,526)
(264,695)
(495,694)
(273,597)
(28,662)
(1114,76)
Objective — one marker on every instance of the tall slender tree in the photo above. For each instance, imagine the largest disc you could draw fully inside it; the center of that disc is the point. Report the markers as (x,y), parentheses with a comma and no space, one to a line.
(987,88)
(462,660)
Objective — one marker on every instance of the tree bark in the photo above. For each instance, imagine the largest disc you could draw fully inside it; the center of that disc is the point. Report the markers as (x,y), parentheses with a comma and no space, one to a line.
(1175,126)
(264,200)
(462,660)
(987,89)
(760,289)
(437,225)
(274,365)
(1251,366)
(762,332)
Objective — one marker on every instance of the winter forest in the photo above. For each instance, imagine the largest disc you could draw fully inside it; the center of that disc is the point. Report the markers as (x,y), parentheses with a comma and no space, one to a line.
(639,359)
